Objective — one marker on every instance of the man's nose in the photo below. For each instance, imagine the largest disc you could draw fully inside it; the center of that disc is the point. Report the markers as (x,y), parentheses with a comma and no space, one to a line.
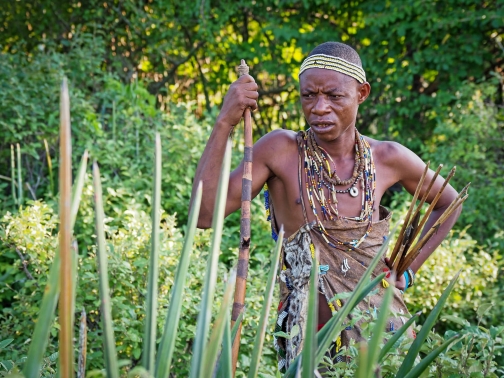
(321,106)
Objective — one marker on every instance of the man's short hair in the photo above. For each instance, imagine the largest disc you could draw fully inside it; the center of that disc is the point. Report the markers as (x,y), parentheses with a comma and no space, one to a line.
(338,50)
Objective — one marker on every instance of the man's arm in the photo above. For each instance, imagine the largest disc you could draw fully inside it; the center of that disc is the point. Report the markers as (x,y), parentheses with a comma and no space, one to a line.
(409,168)
(242,94)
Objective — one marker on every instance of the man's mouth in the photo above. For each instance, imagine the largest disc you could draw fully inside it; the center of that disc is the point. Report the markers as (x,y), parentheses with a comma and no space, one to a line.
(322,124)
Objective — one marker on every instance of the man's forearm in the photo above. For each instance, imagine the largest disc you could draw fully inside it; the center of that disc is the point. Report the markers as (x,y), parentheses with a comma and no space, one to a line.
(208,171)
(438,236)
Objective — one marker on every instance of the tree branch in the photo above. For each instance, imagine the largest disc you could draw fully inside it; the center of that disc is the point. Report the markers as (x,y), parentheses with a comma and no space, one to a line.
(154,87)
(24,263)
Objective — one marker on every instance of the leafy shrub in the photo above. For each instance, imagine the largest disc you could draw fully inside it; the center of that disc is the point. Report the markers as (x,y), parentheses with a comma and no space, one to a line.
(33,231)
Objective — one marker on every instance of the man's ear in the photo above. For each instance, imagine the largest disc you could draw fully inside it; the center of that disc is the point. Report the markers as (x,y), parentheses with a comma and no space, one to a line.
(364,91)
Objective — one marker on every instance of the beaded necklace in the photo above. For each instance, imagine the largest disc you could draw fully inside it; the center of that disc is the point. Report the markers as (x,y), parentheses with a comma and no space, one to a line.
(321,178)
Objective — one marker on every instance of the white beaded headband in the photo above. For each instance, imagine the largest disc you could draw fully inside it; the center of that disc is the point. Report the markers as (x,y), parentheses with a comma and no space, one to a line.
(329,62)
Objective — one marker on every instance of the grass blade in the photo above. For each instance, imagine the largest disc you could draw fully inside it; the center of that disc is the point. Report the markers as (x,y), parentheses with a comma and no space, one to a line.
(424,364)
(215,340)
(19,168)
(50,299)
(378,279)
(310,343)
(81,365)
(205,314)
(363,369)
(65,236)
(268,296)
(49,167)
(376,339)
(409,360)
(396,336)
(225,369)
(40,335)
(109,349)
(78,186)
(113,121)
(166,347)
(13,175)
(149,347)
(234,331)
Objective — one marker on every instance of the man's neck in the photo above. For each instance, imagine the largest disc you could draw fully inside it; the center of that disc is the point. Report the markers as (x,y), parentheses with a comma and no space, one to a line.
(341,148)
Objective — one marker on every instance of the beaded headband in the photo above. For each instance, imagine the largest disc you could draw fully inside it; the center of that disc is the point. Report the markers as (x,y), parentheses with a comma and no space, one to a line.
(329,62)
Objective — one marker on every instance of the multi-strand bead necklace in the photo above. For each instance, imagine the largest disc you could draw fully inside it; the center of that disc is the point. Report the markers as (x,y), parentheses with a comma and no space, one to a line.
(322,178)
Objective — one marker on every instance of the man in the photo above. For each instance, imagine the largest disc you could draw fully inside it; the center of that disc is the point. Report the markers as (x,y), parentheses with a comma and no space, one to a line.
(325,187)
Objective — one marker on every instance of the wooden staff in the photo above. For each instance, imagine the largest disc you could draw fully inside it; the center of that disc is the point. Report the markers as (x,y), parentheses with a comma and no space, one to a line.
(243,257)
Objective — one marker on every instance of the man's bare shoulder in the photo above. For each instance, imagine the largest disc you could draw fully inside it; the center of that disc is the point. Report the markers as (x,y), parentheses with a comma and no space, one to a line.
(277,142)
(388,152)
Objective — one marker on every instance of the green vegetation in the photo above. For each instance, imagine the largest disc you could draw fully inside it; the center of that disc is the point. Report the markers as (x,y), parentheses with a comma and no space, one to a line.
(137,69)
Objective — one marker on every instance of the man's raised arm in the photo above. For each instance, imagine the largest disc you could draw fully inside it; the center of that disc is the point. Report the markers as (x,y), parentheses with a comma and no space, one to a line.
(242,94)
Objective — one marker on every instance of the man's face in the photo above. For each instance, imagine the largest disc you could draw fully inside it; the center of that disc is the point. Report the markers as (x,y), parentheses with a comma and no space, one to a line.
(330,101)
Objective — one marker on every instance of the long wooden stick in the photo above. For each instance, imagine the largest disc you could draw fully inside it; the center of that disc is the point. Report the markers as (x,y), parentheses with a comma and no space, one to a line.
(243,257)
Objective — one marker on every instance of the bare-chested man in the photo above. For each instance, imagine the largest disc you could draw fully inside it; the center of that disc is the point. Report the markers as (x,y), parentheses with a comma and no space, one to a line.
(339,211)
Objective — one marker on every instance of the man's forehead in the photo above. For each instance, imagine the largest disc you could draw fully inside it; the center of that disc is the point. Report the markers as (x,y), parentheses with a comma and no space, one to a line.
(326,78)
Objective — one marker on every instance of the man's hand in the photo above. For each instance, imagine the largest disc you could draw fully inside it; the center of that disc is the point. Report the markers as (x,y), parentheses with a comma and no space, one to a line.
(400,282)
(242,94)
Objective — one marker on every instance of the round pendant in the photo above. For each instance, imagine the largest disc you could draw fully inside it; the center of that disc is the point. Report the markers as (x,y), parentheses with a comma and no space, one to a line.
(354,192)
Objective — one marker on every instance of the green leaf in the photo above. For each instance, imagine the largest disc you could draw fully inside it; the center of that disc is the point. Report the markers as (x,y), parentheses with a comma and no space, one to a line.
(149,346)
(409,360)
(5,342)
(310,341)
(225,364)
(166,347)
(424,364)
(215,340)
(106,312)
(396,336)
(263,319)
(204,317)
(376,339)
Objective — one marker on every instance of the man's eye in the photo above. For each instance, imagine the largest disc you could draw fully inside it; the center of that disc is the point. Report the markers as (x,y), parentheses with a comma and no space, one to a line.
(333,96)
(307,95)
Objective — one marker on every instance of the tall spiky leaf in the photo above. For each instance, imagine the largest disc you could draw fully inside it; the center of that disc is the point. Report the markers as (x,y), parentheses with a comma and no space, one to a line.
(225,368)
(65,238)
(79,186)
(379,327)
(424,364)
(268,297)
(50,299)
(310,342)
(81,364)
(363,370)
(165,351)
(13,175)
(19,169)
(49,167)
(205,313)
(109,349)
(396,336)
(413,351)
(215,341)
(149,346)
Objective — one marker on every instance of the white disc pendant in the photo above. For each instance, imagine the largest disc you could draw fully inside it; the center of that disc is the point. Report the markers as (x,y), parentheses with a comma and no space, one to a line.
(354,192)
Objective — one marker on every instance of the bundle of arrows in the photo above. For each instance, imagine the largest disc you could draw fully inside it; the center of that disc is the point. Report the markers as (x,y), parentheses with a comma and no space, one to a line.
(405,250)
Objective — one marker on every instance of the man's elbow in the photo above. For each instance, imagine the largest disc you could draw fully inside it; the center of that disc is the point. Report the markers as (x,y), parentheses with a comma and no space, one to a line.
(204,223)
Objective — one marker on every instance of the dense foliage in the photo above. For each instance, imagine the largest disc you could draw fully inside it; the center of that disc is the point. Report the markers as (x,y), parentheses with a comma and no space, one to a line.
(139,67)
